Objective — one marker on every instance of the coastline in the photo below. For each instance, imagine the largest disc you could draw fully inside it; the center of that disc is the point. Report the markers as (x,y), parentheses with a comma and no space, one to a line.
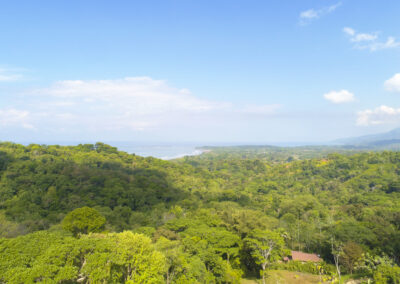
(196,152)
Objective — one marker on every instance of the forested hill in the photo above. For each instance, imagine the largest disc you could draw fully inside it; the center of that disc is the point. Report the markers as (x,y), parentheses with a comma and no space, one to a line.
(40,184)
(205,215)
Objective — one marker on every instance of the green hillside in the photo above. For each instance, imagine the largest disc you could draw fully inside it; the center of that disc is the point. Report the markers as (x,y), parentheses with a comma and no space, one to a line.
(204,219)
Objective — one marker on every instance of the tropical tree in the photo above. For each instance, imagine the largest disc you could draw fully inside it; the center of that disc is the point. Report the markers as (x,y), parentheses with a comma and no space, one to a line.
(122,258)
(266,247)
(83,220)
(337,251)
(351,254)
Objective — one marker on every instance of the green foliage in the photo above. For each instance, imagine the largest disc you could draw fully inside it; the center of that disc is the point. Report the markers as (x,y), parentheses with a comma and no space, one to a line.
(209,217)
(41,256)
(97,258)
(370,263)
(265,247)
(307,267)
(83,221)
(351,255)
(387,274)
(123,257)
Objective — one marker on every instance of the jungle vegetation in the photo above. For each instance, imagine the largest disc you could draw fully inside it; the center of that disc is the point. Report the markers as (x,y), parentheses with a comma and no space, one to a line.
(93,214)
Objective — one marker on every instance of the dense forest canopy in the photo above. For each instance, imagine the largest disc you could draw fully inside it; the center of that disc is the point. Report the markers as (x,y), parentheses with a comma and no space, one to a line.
(81,213)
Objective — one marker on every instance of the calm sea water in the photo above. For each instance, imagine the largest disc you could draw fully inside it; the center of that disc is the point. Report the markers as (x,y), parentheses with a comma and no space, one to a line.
(165,152)
(161,151)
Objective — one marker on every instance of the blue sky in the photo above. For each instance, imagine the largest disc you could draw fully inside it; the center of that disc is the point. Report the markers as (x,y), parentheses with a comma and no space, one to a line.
(198,71)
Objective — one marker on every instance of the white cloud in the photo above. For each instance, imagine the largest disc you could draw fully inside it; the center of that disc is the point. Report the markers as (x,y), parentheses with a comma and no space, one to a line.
(313,14)
(131,104)
(369,40)
(393,84)
(391,42)
(349,31)
(339,97)
(309,14)
(15,117)
(364,37)
(380,115)
(135,103)
(359,37)
(141,95)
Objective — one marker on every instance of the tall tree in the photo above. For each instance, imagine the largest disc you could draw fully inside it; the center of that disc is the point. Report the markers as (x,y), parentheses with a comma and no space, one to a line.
(351,253)
(266,247)
(83,220)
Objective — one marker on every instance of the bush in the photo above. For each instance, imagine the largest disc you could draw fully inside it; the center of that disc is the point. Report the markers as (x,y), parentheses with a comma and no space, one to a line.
(308,267)
(83,220)
(387,274)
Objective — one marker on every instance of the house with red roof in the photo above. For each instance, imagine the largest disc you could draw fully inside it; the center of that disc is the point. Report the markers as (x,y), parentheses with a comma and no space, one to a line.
(303,257)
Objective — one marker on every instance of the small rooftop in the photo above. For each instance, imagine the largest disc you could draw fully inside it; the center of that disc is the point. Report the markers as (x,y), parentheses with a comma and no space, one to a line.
(302,256)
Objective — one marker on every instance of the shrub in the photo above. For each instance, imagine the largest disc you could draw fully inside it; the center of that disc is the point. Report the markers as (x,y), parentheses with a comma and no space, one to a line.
(308,267)
(387,274)
(83,220)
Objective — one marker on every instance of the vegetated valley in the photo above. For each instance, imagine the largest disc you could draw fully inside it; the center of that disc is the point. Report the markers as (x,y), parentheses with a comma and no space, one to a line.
(93,214)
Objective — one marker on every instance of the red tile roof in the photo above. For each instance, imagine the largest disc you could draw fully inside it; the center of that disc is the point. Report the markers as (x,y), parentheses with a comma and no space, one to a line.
(302,256)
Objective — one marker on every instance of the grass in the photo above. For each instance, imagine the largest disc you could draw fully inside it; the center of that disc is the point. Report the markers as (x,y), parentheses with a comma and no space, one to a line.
(249,281)
(292,277)
(286,277)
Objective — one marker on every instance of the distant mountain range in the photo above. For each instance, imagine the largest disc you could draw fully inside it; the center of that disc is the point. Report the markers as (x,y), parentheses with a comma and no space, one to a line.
(388,140)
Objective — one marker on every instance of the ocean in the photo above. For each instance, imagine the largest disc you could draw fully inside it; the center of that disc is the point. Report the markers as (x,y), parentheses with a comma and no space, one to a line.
(157,150)
(165,152)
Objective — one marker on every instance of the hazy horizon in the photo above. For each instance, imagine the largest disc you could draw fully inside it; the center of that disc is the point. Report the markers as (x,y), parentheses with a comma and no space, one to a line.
(336,141)
(117,143)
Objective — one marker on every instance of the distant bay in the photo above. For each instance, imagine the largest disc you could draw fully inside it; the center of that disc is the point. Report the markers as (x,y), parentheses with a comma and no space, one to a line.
(165,152)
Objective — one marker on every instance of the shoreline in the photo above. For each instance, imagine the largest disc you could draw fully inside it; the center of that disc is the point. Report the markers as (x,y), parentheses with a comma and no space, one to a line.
(196,152)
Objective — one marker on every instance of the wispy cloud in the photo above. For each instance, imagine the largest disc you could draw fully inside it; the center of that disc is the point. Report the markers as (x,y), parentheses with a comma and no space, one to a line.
(15,118)
(380,115)
(135,94)
(8,75)
(124,105)
(359,37)
(313,14)
(339,97)
(370,40)
(134,103)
